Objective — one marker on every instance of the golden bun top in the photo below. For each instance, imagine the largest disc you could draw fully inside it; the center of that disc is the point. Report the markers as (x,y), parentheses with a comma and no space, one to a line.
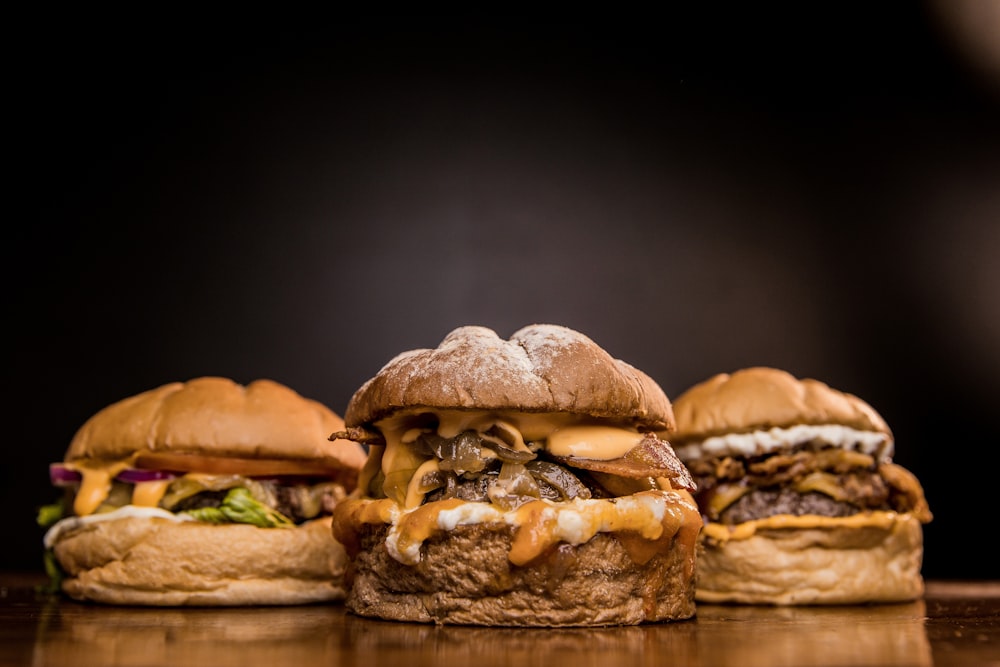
(541,368)
(215,416)
(761,398)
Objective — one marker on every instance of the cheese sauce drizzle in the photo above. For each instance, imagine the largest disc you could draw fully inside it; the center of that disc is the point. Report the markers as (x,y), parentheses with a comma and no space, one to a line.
(747,529)
(646,522)
(649,515)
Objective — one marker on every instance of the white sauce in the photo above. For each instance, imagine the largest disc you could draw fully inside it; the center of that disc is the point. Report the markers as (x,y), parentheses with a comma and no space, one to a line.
(575,522)
(72,523)
(876,444)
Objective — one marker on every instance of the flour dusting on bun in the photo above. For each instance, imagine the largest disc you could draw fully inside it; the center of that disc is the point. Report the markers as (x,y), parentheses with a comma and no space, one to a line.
(517,482)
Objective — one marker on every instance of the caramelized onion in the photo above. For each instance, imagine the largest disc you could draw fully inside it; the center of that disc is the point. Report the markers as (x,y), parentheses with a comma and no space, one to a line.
(461,454)
(434,480)
(910,492)
(556,476)
(508,445)
(513,487)
(507,453)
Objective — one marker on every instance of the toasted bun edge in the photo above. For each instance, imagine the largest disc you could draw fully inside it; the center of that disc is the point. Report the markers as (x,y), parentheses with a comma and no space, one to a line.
(158,562)
(836,565)
(215,416)
(541,368)
(761,398)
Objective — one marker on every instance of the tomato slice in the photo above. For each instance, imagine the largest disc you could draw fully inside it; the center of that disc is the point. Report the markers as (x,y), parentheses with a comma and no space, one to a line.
(139,475)
(221,465)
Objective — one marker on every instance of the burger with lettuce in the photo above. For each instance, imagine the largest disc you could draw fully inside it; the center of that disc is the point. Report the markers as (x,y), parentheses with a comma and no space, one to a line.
(205,492)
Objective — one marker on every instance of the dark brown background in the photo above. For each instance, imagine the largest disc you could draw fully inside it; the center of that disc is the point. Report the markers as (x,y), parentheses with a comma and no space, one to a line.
(811,188)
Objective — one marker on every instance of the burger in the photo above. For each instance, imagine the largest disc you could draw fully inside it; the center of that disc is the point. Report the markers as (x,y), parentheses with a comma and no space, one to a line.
(517,482)
(801,501)
(204,492)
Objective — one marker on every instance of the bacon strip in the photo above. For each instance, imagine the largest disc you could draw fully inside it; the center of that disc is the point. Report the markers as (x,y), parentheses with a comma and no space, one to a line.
(359,434)
(652,457)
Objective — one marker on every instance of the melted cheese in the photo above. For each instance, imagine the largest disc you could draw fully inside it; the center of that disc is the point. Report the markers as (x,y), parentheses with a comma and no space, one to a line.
(415,490)
(373,464)
(647,522)
(723,496)
(95,484)
(531,426)
(521,427)
(742,531)
(399,464)
(415,526)
(653,517)
(149,494)
(821,482)
(593,442)
(561,434)
(96,478)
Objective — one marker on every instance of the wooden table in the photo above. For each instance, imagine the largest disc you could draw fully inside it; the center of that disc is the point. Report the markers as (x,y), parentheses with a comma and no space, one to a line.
(957,623)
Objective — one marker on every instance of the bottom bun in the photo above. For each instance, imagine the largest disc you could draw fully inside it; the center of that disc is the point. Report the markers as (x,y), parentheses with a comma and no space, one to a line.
(822,565)
(154,561)
(464,577)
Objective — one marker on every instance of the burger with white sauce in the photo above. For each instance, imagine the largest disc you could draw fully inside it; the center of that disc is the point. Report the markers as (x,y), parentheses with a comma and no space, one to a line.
(801,500)
(517,482)
(204,492)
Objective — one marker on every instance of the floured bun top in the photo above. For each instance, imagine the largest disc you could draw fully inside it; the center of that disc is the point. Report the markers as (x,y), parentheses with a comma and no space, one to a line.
(214,416)
(760,399)
(543,368)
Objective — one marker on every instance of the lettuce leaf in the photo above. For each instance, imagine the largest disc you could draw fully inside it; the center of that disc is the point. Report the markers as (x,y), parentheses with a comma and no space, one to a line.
(240,507)
(50,514)
(53,571)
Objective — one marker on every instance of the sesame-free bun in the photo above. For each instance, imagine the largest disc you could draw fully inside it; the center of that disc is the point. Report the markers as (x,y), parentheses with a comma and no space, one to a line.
(761,398)
(541,368)
(159,562)
(870,550)
(623,558)
(217,427)
(844,564)
(216,416)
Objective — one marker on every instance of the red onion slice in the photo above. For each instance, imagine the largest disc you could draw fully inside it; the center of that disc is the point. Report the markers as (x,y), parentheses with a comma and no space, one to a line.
(60,475)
